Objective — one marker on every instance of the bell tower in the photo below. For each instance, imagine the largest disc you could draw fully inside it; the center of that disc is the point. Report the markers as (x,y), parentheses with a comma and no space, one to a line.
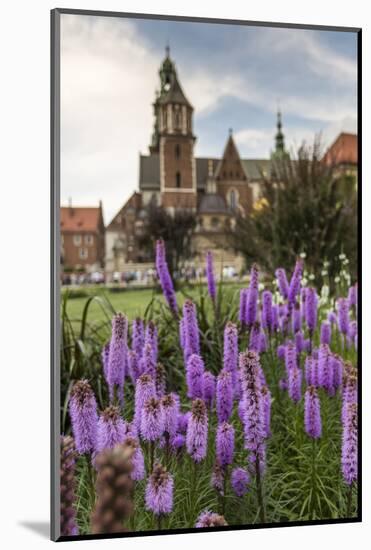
(173,140)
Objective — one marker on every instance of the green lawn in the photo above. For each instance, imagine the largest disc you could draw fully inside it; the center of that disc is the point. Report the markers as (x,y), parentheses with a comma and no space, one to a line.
(131,302)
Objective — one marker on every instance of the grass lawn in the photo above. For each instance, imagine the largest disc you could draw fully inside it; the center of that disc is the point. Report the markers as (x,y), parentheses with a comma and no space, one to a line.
(131,302)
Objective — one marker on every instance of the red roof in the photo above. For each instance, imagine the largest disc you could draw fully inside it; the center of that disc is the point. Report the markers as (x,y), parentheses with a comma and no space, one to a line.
(344,150)
(80,218)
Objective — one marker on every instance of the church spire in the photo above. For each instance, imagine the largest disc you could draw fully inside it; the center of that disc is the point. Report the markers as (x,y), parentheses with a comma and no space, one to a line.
(280,139)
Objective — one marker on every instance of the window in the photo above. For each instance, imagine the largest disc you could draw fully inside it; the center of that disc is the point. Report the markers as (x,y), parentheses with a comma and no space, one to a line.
(177,180)
(77,240)
(83,253)
(89,240)
(177,119)
(214,222)
(177,151)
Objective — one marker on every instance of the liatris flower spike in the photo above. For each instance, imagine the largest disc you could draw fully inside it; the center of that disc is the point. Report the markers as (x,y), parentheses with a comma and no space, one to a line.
(312,413)
(225,444)
(84,416)
(159,491)
(191,338)
(197,428)
(164,276)
(195,376)
(224,396)
(240,480)
(349,453)
(210,276)
(112,429)
(117,356)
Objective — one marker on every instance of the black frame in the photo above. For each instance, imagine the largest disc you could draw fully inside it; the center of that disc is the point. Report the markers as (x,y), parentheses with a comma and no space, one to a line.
(55,268)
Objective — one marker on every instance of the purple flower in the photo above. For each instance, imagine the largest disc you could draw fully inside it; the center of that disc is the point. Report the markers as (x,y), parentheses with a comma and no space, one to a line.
(252,296)
(183,419)
(159,491)
(191,332)
(224,395)
(296,319)
(133,365)
(240,480)
(275,317)
(352,333)
(170,410)
(325,337)
(144,390)
(267,314)
(225,444)
(177,442)
(84,416)
(283,284)
(266,410)
(295,282)
(349,392)
(196,438)
(152,420)
(147,365)
(311,305)
(243,301)
(281,352)
(263,344)
(336,366)
(137,336)
(299,342)
(312,413)
(290,357)
(349,453)
(160,380)
(138,471)
(294,380)
(254,341)
(210,519)
(311,371)
(324,368)
(164,276)
(352,295)
(209,388)
(218,478)
(117,356)
(195,376)
(210,275)
(332,317)
(254,426)
(112,429)
(150,338)
(343,314)
(230,352)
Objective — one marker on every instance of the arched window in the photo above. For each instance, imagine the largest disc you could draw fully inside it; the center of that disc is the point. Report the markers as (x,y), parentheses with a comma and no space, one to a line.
(214,222)
(177,118)
(177,151)
(178,180)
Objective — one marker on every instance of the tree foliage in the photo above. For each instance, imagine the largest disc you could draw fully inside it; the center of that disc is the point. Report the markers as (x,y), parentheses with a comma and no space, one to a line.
(305,206)
(176,229)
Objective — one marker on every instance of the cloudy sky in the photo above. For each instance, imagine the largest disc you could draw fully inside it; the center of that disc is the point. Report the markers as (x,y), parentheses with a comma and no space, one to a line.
(234,76)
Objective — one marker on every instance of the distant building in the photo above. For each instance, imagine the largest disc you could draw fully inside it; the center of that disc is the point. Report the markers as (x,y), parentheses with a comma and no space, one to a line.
(343,153)
(215,188)
(170,175)
(82,238)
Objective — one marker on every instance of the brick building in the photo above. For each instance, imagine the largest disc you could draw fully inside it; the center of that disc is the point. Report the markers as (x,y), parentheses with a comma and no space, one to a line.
(82,238)
(170,175)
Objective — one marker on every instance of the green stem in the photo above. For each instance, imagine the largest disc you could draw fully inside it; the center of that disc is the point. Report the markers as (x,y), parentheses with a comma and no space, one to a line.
(349,501)
(314,480)
(259,491)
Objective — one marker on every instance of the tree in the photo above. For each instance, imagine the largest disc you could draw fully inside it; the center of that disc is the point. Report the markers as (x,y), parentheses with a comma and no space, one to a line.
(175,229)
(306,206)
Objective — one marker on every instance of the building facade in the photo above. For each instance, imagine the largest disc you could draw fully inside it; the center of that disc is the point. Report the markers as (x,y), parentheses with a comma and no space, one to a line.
(82,238)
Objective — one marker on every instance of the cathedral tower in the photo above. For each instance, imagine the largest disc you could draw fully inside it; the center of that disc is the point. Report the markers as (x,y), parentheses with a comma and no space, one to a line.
(173,140)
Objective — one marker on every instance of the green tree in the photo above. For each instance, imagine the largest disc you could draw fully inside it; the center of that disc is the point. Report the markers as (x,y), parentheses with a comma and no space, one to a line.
(306,206)
(176,229)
